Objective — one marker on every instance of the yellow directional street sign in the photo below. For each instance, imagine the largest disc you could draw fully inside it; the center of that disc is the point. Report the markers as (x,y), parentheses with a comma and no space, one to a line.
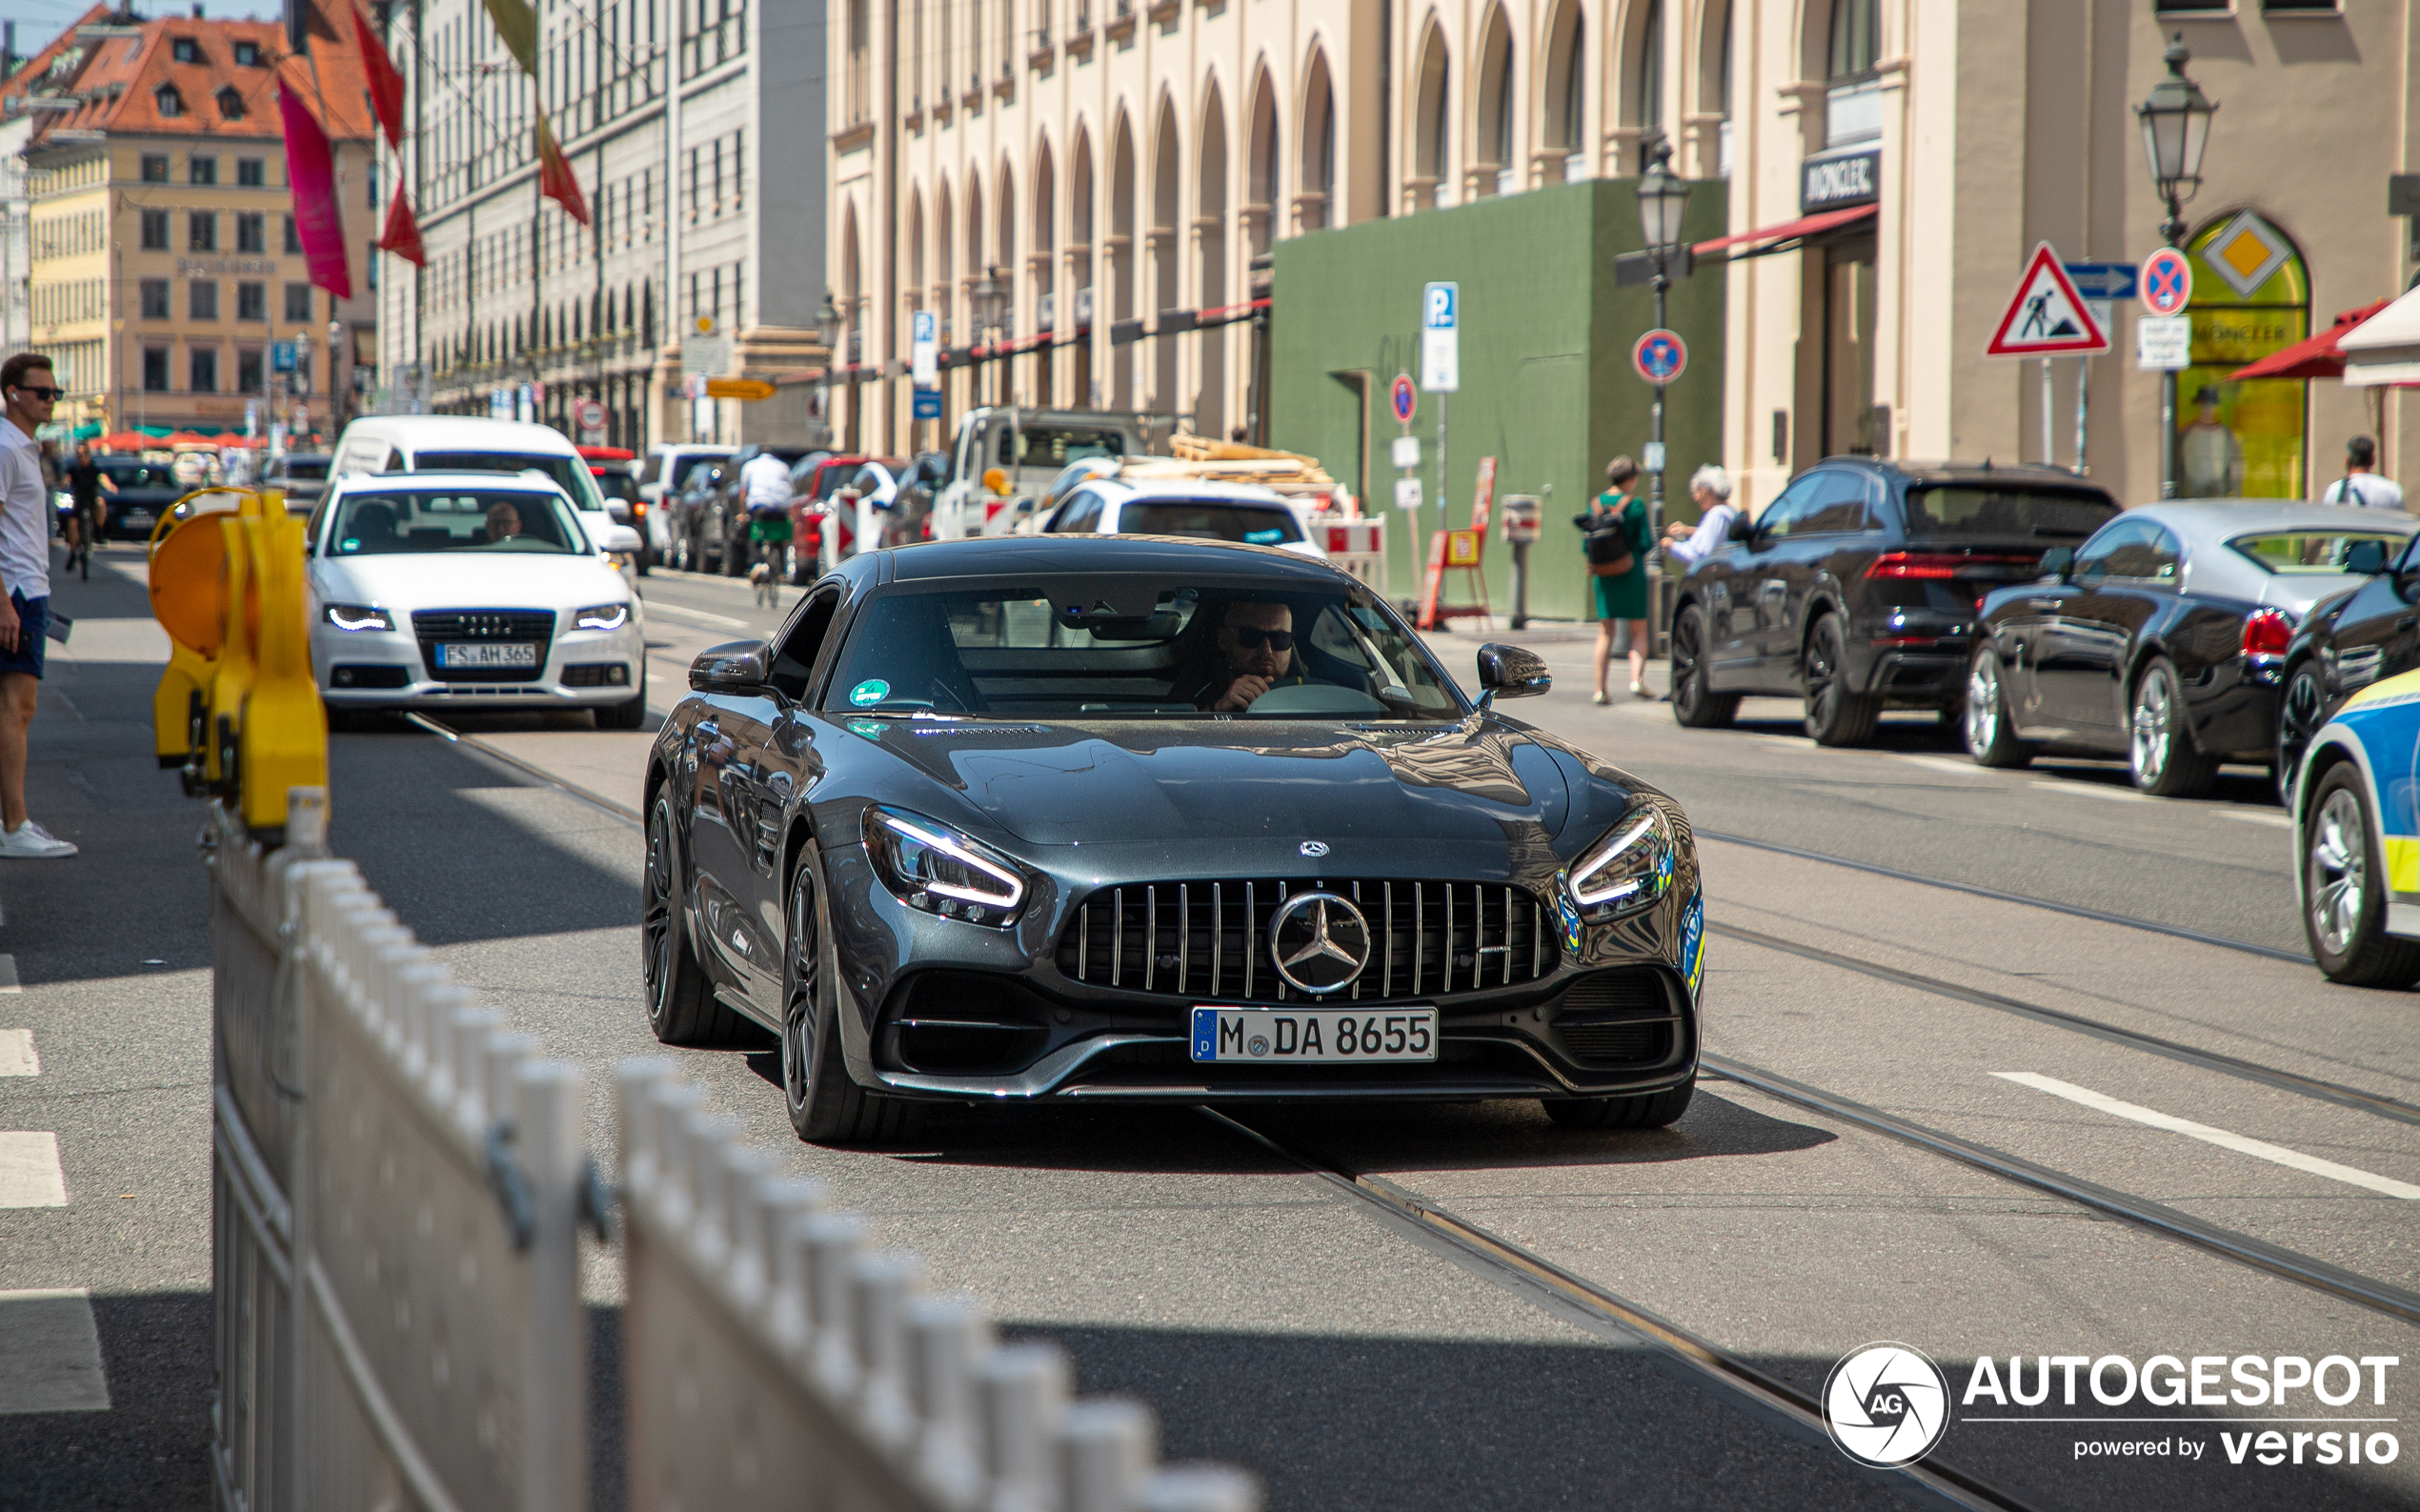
(739,388)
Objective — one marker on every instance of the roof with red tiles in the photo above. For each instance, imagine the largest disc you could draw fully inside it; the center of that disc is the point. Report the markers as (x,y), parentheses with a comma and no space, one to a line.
(178,76)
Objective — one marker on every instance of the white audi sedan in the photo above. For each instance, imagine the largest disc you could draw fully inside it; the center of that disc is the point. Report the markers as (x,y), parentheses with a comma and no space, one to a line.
(469,590)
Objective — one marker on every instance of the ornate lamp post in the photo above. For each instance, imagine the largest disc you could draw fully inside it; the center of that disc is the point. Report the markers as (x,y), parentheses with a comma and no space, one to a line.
(1662,195)
(2176,127)
(829,325)
(991,315)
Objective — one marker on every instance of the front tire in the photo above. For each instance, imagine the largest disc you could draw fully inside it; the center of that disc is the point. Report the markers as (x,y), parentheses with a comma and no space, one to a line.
(1695,704)
(2345,890)
(1835,715)
(2302,709)
(1653,1110)
(1991,734)
(681,1007)
(2160,744)
(826,1106)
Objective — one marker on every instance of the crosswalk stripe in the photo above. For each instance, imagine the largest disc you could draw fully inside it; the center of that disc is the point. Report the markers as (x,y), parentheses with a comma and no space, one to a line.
(16,1054)
(50,1353)
(30,1173)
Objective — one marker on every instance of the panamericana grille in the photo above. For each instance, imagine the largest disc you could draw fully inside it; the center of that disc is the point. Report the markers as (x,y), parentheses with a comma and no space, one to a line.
(1210,941)
(433,626)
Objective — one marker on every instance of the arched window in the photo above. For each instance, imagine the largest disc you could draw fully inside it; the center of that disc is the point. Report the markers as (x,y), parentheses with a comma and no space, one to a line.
(1318,191)
(1566,98)
(1260,189)
(170,103)
(231,105)
(1432,150)
(1497,141)
(1853,105)
(1856,38)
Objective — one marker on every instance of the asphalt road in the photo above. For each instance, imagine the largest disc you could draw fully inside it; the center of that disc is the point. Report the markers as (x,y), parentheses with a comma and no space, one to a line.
(1275,1321)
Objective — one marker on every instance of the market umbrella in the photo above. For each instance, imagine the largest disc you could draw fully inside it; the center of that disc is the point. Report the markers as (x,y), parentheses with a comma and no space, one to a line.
(124,441)
(189,439)
(2312,356)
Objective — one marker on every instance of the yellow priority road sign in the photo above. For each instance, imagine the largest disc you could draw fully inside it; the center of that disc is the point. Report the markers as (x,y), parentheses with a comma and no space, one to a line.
(739,388)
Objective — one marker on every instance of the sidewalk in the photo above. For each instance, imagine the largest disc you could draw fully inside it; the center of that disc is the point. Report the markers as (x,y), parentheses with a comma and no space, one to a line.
(104,1208)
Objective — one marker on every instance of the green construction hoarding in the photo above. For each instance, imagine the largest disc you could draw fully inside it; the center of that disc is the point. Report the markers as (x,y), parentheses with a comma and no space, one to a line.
(1546,384)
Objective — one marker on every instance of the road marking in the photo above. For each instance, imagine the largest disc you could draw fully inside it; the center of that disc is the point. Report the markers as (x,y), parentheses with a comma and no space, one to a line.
(1955,768)
(2275,821)
(721,621)
(2239,1143)
(2087,790)
(16,1054)
(30,1173)
(50,1353)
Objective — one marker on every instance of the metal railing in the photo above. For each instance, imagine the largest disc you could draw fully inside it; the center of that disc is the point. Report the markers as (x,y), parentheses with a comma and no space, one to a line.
(399,1188)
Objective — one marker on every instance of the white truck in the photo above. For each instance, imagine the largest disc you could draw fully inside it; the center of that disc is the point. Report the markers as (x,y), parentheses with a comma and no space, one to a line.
(1005,457)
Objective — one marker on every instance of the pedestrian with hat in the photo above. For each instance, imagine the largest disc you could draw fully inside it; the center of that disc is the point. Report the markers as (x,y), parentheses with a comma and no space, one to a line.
(1618,539)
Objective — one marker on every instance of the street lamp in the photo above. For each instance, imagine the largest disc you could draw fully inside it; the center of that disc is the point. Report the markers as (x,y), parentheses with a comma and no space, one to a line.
(829,324)
(1662,195)
(2176,127)
(991,314)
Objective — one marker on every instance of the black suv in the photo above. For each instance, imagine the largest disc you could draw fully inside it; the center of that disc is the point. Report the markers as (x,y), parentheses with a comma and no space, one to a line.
(1856,588)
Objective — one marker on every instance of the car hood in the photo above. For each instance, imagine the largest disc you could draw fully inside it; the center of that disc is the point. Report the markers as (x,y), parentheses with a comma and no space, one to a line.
(466,581)
(1483,780)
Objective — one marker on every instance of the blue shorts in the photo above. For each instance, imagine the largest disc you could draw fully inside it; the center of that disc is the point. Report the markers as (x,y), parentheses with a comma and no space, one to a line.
(33,625)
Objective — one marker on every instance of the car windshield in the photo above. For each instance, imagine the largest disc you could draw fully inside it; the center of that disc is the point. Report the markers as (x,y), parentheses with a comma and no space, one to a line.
(683,466)
(398,522)
(570,473)
(2309,553)
(139,475)
(312,469)
(1058,445)
(1211,519)
(1102,646)
(2052,513)
(615,484)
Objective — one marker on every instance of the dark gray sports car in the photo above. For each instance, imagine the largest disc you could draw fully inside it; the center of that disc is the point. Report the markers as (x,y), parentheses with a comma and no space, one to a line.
(1145,818)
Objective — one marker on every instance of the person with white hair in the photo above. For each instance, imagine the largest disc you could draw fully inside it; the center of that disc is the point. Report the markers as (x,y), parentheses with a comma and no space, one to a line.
(1690,544)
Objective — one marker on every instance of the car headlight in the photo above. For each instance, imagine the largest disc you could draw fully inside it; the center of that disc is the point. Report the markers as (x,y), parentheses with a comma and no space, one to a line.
(359,616)
(601,617)
(1626,872)
(933,867)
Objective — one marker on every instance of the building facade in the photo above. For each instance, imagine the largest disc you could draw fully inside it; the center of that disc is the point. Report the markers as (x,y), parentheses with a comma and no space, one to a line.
(165,270)
(676,117)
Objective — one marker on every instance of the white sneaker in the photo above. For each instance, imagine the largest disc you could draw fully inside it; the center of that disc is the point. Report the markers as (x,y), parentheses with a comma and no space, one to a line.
(32,842)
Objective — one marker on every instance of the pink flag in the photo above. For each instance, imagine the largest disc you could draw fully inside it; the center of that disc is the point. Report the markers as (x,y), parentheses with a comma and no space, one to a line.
(311,171)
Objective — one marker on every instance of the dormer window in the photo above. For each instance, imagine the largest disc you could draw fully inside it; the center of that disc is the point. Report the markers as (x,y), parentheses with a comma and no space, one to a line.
(170,103)
(248,54)
(185,50)
(231,105)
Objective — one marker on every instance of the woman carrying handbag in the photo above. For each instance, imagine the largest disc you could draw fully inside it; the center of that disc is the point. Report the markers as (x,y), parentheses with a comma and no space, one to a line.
(1618,542)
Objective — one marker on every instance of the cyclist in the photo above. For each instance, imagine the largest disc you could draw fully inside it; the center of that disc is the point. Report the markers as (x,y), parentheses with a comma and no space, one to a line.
(86,483)
(766,480)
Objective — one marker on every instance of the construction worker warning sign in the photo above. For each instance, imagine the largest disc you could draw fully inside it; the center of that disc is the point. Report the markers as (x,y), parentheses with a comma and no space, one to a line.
(2046,318)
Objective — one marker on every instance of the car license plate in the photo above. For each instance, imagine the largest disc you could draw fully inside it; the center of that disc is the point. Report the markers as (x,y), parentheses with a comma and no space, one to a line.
(1314,1036)
(138,517)
(509,653)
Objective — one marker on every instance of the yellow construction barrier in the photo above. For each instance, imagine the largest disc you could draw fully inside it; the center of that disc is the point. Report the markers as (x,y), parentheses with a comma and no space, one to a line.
(237,708)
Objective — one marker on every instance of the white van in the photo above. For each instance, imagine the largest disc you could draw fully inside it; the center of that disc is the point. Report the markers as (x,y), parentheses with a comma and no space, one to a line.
(455,443)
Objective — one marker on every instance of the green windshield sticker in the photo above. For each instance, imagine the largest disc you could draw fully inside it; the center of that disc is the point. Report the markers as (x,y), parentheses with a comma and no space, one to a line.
(869,693)
(871,729)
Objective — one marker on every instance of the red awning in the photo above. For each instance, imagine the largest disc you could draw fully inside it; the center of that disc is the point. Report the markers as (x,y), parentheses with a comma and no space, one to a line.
(2312,356)
(1789,229)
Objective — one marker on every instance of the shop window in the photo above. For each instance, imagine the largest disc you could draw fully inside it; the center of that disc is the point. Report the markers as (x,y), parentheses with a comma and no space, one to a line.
(2252,295)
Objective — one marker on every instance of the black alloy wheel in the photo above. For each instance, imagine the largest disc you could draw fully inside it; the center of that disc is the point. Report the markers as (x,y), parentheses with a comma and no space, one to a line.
(681,1007)
(1695,705)
(1653,1110)
(2302,712)
(825,1105)
(1991,734)
(2345,890)
(2160,744)
(1835,715)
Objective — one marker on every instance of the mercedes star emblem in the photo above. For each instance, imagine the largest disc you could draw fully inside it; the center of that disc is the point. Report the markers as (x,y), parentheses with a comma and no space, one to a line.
(1320,942)
(1315,849)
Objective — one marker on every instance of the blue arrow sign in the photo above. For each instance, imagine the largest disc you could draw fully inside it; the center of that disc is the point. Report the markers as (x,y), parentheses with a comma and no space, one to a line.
(2103,280)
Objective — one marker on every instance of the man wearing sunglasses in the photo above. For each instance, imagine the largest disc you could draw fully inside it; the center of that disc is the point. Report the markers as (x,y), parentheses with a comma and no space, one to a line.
(29,390)
(1254,653)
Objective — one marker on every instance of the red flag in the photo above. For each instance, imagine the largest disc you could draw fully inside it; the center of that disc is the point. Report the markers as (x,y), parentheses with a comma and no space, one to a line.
(386,85)
(402,235)
(556,179)
(311,172)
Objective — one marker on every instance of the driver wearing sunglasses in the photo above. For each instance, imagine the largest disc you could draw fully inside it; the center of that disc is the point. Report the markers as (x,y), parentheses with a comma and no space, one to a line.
(1254,653)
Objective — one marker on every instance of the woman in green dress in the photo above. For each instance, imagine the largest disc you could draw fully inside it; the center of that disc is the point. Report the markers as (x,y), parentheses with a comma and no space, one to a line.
(1624,598)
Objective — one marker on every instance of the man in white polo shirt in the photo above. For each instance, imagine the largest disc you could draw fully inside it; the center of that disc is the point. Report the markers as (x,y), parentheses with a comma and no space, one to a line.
(29,388)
